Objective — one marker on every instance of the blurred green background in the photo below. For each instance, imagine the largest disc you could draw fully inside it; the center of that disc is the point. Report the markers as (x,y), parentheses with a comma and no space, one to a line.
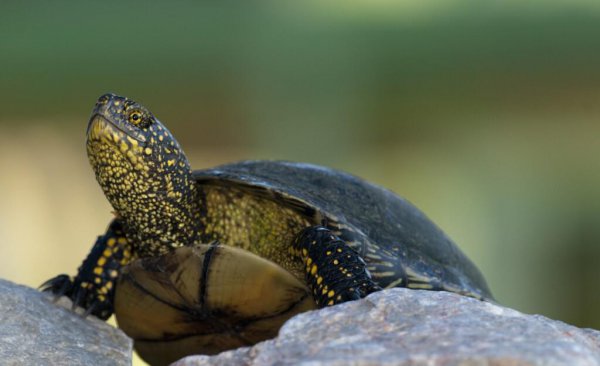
(483,114)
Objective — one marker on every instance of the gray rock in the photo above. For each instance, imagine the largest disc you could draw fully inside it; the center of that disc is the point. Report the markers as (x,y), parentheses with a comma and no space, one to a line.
(35,331)
(409,327)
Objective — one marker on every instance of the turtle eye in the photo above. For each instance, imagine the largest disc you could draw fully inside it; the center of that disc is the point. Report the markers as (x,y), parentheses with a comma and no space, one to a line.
(136,118)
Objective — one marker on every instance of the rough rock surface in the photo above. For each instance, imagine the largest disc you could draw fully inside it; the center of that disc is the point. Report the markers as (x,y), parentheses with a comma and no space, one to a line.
(34,331)
(408,327)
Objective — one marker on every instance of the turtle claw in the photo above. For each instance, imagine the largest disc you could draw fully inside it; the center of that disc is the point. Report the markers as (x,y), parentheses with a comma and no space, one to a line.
(61,285)
(81,296)
(90,310)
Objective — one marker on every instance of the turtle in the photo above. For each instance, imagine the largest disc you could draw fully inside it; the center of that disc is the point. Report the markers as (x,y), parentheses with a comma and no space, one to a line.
(201,261)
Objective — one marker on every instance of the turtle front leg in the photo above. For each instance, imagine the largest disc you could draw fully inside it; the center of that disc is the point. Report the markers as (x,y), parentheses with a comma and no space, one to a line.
(335,273)
(93,287)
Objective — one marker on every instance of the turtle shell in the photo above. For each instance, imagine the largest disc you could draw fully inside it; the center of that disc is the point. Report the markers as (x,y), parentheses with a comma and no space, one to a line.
(401,246)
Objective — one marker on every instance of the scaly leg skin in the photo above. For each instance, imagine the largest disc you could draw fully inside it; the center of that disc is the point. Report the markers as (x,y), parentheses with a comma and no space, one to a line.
(93,287)
(335,273)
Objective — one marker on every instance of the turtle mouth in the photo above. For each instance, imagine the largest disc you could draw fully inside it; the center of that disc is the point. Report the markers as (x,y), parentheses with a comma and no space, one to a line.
(100,127)
(103,134)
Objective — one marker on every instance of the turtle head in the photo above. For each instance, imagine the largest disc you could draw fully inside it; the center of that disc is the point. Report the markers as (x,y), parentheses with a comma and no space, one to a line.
(141,168)
(133,133)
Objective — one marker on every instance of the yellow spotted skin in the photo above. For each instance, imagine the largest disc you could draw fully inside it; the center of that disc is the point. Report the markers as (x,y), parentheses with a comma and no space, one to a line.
(109,254)
(148,182)
(259,225)
(333,271)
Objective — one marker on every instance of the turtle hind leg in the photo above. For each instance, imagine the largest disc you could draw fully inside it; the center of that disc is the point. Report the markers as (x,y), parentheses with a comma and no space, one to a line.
(335,273)
(93,286)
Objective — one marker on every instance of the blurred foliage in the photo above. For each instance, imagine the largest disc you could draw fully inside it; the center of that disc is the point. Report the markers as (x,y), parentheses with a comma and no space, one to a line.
(484,114)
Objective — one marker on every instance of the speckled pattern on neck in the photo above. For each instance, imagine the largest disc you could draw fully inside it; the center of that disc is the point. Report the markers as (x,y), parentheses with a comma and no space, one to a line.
(144,174)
